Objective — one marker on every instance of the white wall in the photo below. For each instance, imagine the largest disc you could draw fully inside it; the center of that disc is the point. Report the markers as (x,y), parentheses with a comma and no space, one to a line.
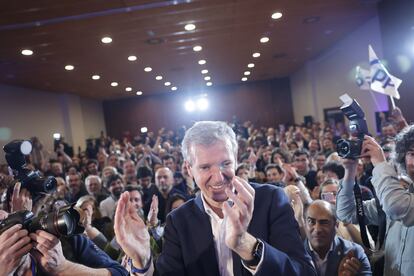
(319,83)
(25,113)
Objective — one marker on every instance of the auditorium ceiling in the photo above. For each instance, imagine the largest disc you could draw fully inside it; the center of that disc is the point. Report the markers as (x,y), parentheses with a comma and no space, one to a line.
(152,48)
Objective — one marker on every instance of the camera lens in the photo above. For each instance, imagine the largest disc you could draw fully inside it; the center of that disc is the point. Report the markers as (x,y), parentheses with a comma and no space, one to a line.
(343,148)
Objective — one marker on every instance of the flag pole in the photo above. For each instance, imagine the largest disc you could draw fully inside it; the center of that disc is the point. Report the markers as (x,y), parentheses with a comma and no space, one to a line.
(392,102)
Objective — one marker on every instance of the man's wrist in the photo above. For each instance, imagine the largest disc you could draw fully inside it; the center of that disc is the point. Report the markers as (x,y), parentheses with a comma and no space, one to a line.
(246,246)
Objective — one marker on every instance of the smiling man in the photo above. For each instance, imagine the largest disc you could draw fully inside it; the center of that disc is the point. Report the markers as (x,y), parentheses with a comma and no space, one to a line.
(231,228)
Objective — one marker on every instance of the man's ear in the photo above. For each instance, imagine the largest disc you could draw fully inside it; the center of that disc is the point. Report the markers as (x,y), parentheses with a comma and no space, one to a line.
(188,167)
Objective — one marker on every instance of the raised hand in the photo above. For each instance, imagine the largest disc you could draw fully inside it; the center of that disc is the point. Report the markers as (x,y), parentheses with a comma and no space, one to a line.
(237,218)
(349,265)
(371,148)
(21,199)
(153,212)
(131,232)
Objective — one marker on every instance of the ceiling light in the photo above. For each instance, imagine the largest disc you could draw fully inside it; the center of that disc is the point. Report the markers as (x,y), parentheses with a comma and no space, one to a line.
(158,77)
(202,104)
(128,89)
(167,83)
(256,55)
(139,93)
(174,88)
(244,79)
(197,48)
(207,78)
(114,83)
(96,77)
(202,62)
(264,39)
(69,67)
(204,71)
(27,52)
(246,73)
(132,58)
(209,83)
(147,69)
(276,15)
(250,65)
(144,129)
(189,106)
(106,39)
(190,27)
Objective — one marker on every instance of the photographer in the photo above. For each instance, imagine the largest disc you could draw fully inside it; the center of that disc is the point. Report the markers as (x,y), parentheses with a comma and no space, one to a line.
(75,255)
(395,197)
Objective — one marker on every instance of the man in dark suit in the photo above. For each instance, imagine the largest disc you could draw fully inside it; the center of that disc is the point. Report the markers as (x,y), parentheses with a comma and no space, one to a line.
(331,254)
(231,228)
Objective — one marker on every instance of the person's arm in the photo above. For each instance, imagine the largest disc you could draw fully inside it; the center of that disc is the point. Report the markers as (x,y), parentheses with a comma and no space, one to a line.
(397,202)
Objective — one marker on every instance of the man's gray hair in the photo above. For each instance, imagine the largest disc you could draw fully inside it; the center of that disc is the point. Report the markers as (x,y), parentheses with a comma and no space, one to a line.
(207,133)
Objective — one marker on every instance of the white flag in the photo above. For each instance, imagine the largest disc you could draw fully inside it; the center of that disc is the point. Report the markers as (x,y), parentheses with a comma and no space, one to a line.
(382,81)
(363,78)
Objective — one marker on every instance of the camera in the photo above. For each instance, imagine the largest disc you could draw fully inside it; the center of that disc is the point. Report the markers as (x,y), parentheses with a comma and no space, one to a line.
(31,180)
(64,222)
(351,149)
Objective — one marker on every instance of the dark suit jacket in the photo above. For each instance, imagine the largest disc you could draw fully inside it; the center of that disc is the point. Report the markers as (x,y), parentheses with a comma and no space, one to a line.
(189,247)
(340,249)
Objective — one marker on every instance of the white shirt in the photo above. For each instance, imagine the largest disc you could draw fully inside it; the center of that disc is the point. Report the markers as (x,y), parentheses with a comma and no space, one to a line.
(321,264)
(107,207)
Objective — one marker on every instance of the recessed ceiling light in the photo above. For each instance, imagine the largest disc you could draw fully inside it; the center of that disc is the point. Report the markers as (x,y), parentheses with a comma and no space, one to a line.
(114,83)
(158,77)
(204,71)
(202,61)
(209,83)
(27,52)
(167,83)
(147,69)
(264,39)
(174,88)
(197,48)
(139,93)
(106,39)
(246,73)
(132,58)
(244,79)
(277,15)
(250,65)
(256,55)
(128,89)
(69,67)
(190,27)
(207,78)
(96,77)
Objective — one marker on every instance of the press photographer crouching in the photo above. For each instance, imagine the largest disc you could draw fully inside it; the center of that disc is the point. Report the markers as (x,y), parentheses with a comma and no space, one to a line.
(46,244)
(394,190)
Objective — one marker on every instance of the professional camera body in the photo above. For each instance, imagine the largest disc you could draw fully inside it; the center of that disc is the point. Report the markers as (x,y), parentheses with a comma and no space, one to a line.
(351,149)
(31,180)
(64,222)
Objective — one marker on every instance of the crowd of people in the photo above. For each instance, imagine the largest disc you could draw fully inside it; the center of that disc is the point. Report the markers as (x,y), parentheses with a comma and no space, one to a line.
(221,199)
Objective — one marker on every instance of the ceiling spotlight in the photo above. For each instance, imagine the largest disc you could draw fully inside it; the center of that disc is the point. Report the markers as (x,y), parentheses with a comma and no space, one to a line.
(207,78)
(202,104)
(27,52)
(276,15)
(204,71)
(244,79)
(190,27)
(250,65)
(132,58)
(174,88)
(167,83)
(189,106)
(69,67)
(158,77)
(147,69)
(256,55)
(209,83)
(96,77)
(106,39)
(144,129)
(202,61)
(139,93)
(197,48)
(264,39)
(246,73)
(128,89)
(114,83)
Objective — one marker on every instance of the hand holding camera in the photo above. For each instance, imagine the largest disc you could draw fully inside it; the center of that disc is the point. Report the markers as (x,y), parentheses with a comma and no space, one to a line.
(371,149)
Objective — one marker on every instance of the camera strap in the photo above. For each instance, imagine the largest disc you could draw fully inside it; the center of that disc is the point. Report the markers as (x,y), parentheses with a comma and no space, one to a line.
(360,215)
